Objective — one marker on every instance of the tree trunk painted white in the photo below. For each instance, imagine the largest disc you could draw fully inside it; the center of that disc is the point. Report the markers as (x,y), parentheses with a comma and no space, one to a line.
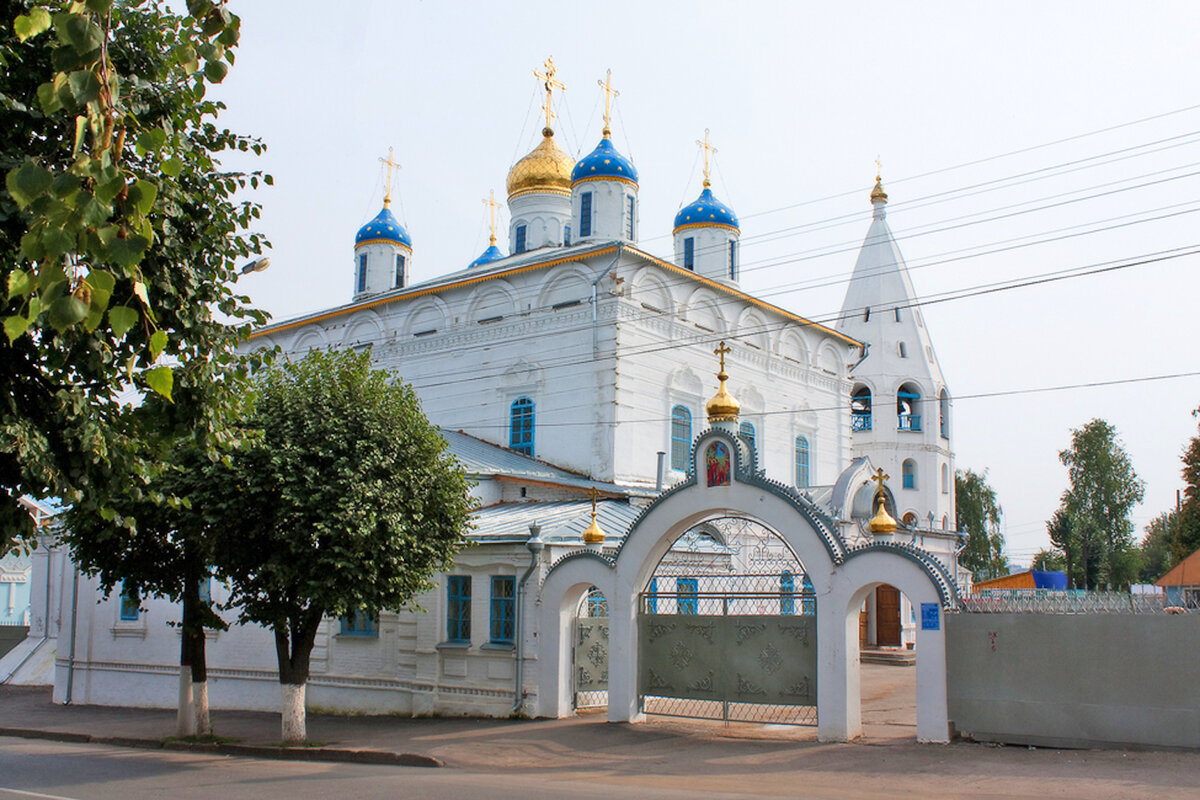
(200,703)
(294,725)
(185,720)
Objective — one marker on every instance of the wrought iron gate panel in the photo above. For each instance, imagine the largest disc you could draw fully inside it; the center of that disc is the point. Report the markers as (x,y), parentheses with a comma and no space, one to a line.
(591,662)
(754,659)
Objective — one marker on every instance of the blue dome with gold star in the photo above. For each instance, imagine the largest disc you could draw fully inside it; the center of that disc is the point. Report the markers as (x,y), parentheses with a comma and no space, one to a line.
(604,163)
(384,228)
(707,210)
(491,254)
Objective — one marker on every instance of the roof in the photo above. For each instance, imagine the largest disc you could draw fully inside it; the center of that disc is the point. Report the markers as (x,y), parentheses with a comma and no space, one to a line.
(1029,579)
(383,228)
(1185,573)
(604,163)
(481,458)
(706,210)
(561,522)
(535,260)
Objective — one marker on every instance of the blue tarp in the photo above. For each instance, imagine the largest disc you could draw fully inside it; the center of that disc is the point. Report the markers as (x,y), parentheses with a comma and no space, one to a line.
(1049,580)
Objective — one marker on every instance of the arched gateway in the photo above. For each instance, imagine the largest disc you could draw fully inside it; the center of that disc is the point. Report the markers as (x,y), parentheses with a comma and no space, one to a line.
(841,579)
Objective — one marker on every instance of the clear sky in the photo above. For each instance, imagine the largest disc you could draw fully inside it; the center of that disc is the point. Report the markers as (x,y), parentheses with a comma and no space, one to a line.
(1015,139)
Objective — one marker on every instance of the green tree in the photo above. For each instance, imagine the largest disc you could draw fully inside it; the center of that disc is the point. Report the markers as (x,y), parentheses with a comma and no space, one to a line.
(1185,539)
(1155,548)
(163,549)
(346,504)
(1092,525)
(977,513)
(119,242)
(1049,561)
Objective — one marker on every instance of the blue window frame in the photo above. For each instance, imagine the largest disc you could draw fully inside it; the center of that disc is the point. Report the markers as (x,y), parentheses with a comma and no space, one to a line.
(206,591)
(520,426)
(686,590)
(399,271)
(808,602)
(860,409)
(129,605)
(567,235)
(689,253)
(908,403)
(629,222)
(362,272)
(652,599)
(585,214)
(787,593)
(520,248)
(356,623)
(908,471)
(503,609)
(733,274)
(458,608)
(746,431)
(681,437)
(802,457)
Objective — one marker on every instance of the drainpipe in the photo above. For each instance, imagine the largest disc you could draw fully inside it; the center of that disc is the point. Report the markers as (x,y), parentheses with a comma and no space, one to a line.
(535,545)
(662,464)
(595,317)
(45,620)
(865,352)
(71,656)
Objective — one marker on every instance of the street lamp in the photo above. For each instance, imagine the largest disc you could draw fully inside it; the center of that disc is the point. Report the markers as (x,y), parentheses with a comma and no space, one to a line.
(257,265)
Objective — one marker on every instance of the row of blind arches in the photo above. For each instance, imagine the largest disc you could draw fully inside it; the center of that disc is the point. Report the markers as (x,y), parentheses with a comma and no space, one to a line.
(681,445)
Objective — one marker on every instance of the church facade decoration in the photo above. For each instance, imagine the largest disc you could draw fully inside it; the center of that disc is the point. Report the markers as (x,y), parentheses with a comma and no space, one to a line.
(717,464)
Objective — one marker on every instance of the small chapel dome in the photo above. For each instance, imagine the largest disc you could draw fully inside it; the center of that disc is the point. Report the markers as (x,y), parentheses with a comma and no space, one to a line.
(383,228)
(604,163)
(491,254)
(547,169)
(706,211)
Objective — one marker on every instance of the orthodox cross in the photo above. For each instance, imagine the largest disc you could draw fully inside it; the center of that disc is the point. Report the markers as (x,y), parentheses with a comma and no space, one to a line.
(708,150)
(879,477)
(387,197)
(878,168)
(721,350)
(551,83)
(492,206)
(609,94)
(594,495)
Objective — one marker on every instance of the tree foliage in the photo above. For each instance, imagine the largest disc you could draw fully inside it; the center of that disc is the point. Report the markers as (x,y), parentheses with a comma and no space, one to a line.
(977,513)
(346,503)
(1185,539)
(1049,561)
(1154,552)
(1092,525)
(119,239)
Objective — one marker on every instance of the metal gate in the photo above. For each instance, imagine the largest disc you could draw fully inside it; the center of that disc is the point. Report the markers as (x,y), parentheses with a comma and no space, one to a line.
(707,658)
(591,652)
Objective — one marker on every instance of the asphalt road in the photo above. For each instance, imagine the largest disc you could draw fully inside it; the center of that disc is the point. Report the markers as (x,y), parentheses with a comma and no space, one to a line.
(45,770)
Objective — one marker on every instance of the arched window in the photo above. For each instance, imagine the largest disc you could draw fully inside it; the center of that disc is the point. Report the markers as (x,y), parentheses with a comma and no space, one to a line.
(631,206)
(585,214)
(808,602)
(746,431)
(362,273)
(944,413)
(908,472)
(787,592)
(945,522)
(681,437)
(908,408)
(909,520)
(733,266)
(520,246)
(520,426)
(945,479)
(860,409)
(802,456)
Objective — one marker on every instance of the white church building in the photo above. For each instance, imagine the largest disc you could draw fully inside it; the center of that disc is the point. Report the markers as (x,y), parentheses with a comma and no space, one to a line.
(572,374)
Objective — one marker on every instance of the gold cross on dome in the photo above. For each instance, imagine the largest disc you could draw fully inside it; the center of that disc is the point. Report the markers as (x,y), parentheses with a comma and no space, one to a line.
(387,196)
(721,350)
(708,150)
(592,491)
(879,477)
(878,168)
(492,205)
(609,94)
(551,83)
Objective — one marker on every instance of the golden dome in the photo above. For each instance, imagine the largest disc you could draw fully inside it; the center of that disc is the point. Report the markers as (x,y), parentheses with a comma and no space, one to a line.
(882,522)
(878,194)
(723,406)
(546,170)
(593,534)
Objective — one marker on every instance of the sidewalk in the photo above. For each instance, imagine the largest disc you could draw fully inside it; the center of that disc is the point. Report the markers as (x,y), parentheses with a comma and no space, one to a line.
(703,756)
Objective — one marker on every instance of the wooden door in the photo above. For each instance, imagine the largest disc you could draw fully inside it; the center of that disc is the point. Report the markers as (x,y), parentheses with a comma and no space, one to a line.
(887,616)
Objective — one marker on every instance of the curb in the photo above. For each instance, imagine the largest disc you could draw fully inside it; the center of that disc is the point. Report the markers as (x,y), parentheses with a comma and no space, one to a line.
(333,754)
